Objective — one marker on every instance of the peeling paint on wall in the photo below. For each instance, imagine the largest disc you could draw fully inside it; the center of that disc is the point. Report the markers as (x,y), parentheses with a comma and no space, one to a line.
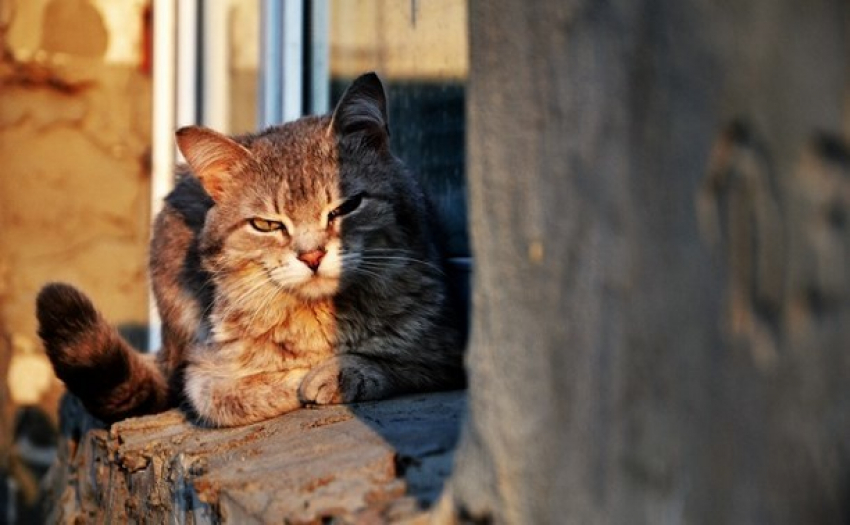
(117,22)
(74,184)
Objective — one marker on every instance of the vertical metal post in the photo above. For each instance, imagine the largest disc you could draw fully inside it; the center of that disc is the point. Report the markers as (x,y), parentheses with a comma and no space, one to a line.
(215,41)
(270,107)
(320,96)
(162,126)
(293,59)
(187,63)
(281,67)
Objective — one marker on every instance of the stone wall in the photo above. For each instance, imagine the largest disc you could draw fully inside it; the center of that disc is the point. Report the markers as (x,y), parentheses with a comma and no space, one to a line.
(74,136)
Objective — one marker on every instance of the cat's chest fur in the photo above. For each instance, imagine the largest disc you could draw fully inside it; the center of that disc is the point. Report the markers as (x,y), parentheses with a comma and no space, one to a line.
(294,332)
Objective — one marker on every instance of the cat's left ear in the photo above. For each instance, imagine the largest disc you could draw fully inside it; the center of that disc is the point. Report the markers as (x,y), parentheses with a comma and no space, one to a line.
(362,111)
(212,157)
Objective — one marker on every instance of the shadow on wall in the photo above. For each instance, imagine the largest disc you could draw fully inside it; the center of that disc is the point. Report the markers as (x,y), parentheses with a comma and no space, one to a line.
(74,27)
(30,450)
(424,445)
(74,130)
(31,454)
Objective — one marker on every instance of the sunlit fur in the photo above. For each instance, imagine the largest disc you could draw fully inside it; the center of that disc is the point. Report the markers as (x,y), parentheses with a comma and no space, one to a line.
(250,330)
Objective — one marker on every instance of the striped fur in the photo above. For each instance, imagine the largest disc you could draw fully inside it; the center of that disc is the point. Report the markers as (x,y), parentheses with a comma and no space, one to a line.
(298,265)
(92,359)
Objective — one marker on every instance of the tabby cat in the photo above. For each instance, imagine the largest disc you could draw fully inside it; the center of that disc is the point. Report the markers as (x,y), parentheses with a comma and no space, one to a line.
(299,265)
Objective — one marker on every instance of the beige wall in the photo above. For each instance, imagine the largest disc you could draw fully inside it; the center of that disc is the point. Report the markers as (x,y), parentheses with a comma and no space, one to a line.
(74,136)
(400,39)
(74,185)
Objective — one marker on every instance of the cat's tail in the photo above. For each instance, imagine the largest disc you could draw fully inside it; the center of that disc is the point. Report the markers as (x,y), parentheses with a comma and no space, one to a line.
(111,379)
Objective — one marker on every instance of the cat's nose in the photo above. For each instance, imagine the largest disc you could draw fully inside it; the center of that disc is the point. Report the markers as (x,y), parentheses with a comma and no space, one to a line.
(312,259)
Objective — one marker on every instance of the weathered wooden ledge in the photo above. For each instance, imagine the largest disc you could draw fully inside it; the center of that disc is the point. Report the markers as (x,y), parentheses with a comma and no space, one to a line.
(366,463)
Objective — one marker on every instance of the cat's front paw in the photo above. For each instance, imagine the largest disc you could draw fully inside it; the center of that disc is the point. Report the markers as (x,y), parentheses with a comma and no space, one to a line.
(342,380)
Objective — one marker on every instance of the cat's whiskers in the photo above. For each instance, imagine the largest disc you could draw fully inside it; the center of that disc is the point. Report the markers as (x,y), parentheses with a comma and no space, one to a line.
(393,254)
(387,259)
(244,291)
(352,263)
(361,270)
(374,279)
(269,297)
(396,254)
(287,277)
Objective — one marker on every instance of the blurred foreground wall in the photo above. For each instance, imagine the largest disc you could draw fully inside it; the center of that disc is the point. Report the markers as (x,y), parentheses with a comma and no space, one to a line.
(74,135)
(660,216)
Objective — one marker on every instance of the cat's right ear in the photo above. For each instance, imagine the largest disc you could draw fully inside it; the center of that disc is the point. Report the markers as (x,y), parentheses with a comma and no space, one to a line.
(212,157)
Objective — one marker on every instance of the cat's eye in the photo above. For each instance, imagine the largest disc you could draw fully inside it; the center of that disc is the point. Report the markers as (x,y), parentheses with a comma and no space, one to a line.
(265,226)
(346,207)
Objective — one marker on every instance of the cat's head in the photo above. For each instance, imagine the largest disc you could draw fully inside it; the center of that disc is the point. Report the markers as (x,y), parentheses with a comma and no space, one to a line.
(299,207)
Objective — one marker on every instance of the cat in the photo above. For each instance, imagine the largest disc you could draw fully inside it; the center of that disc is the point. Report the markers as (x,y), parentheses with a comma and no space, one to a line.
(300,265)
